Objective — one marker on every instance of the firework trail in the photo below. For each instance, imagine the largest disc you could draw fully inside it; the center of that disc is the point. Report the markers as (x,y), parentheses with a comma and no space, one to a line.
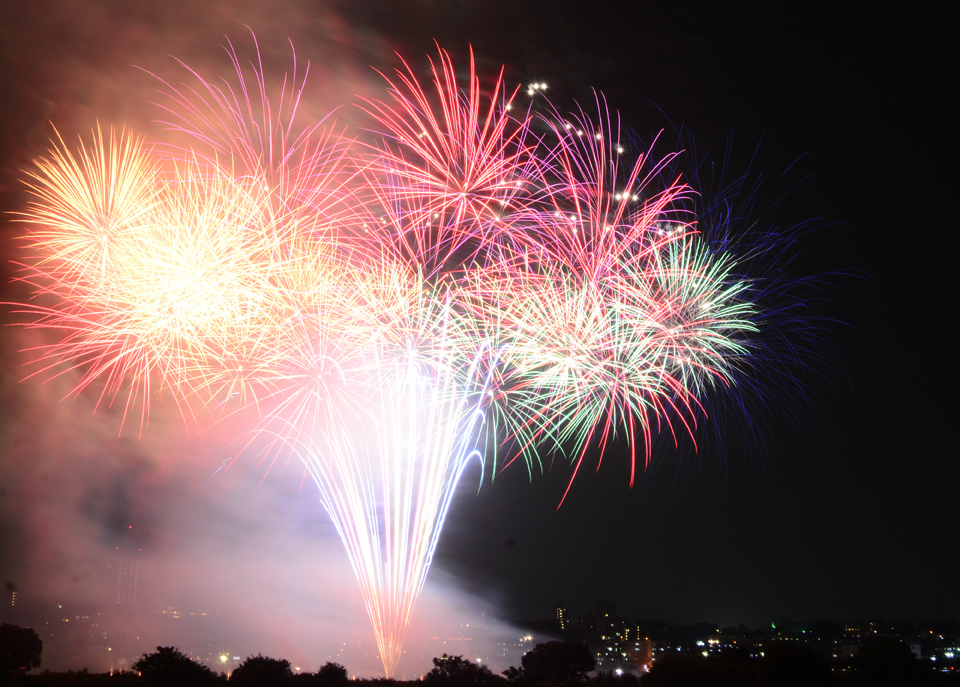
(388,453)
(390,303)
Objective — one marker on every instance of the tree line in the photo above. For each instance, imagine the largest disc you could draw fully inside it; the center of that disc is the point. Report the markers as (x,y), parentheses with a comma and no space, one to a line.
(879,663)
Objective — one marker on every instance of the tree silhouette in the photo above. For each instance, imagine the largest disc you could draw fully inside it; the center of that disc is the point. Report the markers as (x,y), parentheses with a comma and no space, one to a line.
(168,666)
(331,675)
(456,671)
(788,665)
(262,671)
(730,668)
(607,679)
(558,661)
(20,648)
(882,662)
(328,675)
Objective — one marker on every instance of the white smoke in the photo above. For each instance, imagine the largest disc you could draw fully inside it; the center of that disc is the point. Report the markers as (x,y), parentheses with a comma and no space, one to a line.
(225,562)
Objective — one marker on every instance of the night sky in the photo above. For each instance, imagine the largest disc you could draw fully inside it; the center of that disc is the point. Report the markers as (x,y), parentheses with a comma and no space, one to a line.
(843,508)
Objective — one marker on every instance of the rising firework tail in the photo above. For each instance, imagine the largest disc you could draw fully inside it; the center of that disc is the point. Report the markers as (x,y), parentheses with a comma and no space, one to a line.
(464,279)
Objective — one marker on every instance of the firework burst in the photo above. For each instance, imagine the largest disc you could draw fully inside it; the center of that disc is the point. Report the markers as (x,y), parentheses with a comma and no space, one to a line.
(386,306)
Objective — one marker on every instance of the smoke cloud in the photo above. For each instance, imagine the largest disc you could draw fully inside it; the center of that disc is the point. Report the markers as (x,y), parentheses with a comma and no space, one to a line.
(113,542)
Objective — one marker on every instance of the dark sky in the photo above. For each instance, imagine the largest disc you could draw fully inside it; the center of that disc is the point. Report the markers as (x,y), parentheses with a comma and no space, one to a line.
(849,516)
(850,511)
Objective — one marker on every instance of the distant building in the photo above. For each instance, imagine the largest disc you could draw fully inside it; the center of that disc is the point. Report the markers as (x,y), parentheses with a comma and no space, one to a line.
(846,650)
(607,617)
(634,656)
(10,594)
(563,617)
(127,571)
(587,623)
